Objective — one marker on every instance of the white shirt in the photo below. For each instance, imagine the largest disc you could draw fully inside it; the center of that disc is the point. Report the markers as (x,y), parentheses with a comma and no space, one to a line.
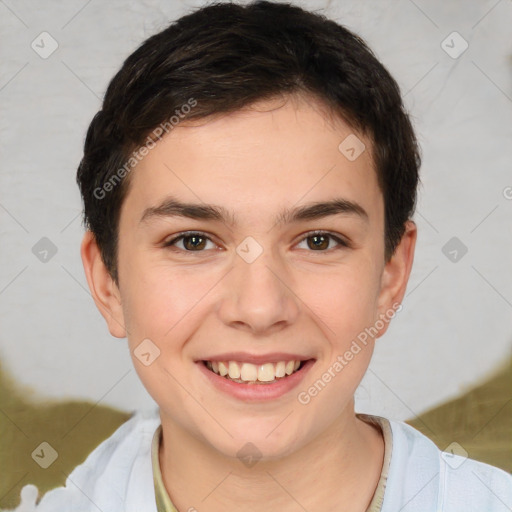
(117,476)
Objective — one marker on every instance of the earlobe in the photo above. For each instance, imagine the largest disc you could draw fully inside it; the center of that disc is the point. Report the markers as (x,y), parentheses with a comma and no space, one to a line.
(103,289)
(396,273)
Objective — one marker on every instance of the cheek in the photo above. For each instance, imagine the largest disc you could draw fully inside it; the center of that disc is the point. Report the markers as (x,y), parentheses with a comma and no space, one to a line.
(164,308)
(166,305)
(153,296)
(347,307)
(345,301)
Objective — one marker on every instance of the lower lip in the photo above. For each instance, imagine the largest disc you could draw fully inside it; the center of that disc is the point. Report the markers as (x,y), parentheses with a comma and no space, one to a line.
(257,392)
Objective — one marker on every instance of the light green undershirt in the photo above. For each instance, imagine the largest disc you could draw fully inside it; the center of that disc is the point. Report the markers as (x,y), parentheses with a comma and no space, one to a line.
(164,503)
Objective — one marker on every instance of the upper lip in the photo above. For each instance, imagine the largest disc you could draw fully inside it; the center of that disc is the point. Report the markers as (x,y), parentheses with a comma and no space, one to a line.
(244,357)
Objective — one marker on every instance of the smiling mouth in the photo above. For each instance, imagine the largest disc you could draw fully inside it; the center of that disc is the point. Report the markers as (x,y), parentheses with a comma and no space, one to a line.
(247,373)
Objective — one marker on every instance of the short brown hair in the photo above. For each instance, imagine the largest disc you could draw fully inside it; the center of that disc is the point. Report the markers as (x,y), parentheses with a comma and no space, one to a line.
(227,56)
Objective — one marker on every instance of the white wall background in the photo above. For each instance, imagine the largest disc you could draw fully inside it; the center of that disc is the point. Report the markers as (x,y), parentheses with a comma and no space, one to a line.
(456,326)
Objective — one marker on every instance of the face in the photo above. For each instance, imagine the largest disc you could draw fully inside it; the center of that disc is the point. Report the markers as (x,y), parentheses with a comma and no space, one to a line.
(255,274)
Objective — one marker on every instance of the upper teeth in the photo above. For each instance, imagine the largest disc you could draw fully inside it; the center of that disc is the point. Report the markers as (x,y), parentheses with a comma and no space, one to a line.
(250,372)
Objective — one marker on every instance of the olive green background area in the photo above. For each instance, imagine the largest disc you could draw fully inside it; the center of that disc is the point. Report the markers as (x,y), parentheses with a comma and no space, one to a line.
(480,421)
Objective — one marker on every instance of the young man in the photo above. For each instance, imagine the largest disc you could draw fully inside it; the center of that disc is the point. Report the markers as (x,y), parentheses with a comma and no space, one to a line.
(248,190)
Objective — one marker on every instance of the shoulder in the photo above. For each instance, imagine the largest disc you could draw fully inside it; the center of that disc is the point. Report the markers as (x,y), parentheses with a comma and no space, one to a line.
(116,472)
(422,477)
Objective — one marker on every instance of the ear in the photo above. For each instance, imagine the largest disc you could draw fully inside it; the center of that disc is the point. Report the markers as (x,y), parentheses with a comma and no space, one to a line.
(104,290)
(395,276)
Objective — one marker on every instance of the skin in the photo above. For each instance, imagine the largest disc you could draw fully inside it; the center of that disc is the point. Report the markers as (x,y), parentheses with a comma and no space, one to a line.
(292,298)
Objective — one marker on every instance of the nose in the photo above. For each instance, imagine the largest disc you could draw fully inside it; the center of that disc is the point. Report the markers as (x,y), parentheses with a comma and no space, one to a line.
(258,297)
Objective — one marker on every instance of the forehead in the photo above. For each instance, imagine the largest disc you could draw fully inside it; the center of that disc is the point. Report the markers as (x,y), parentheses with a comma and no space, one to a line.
(284,150)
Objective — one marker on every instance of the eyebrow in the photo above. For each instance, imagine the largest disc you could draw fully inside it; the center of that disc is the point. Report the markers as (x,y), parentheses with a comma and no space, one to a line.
(171,207)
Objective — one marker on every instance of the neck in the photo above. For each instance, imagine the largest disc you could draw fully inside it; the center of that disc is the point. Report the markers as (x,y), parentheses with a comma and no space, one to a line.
(342,465)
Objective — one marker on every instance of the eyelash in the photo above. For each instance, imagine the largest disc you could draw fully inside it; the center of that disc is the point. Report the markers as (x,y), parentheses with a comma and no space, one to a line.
(341,243)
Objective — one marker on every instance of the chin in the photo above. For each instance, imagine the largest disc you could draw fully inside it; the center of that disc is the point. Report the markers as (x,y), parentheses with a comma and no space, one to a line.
(260,439)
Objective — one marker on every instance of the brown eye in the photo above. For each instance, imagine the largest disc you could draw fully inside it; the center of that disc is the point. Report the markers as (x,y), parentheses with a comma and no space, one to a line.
(319,241)
(192,242)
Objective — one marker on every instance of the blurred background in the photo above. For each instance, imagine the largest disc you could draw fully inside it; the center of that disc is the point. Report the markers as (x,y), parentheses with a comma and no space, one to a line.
(444,364)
